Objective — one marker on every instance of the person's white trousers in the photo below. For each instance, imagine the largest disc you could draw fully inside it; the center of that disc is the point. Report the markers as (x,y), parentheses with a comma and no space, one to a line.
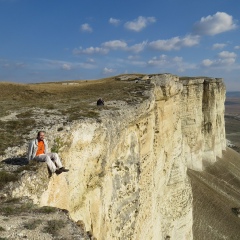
(52,159)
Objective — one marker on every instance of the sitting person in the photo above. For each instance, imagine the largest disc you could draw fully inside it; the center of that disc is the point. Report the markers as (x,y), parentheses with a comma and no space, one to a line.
(100,102)
(38,150)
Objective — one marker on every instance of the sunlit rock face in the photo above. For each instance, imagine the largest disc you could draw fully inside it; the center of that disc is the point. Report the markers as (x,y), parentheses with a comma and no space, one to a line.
(202,114)
(127,177)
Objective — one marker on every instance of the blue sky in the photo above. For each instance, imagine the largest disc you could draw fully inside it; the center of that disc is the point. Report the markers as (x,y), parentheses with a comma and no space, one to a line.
(90,39)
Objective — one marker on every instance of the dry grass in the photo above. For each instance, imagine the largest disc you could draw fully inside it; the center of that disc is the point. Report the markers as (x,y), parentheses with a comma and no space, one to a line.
(6,177)
(73,101)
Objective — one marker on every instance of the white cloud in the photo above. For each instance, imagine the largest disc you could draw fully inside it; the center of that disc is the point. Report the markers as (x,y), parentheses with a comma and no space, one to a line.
(175,43)
(207,62)
(131,57)
(114,21)
(215,24)
(58,64)
(111,45)
(226,54)
(118,44)
(86,28)
(237,47)
(158,61)
(218,45)
(139,24)
(115,44)
(107,71)
(137,48)
(90,50)
(175,63)
(66,66)
(224,59)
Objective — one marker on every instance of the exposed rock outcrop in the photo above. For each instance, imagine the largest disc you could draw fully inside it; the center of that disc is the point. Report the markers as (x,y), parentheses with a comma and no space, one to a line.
(128,170)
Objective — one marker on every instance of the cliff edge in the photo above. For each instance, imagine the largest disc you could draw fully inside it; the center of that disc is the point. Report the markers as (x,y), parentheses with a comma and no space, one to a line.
(128,167)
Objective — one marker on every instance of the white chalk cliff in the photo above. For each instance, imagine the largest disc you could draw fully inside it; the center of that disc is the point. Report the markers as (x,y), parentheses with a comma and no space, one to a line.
(127,177)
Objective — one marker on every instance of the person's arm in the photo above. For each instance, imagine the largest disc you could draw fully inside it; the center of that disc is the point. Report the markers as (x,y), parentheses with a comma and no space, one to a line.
(45,146)
(30,149)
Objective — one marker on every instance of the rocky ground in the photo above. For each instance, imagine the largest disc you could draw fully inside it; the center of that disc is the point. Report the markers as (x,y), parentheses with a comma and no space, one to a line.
(20,218)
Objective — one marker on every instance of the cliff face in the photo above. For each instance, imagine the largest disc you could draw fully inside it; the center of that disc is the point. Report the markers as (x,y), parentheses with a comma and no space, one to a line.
(127,177)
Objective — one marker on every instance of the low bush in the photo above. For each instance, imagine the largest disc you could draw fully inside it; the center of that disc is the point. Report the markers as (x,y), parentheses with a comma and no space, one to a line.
(6,177)
(53,226)
(46,210)
(31,225)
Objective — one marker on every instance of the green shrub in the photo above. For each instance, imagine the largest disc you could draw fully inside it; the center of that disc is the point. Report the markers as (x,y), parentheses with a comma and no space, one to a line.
(12,200)
(31,225)
(6,177)
(58,143)
(53,226)
(15,209)
(2,229)
(47,210)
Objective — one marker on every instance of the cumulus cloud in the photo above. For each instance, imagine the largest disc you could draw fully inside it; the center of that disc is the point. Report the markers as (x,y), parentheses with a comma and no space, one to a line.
(166,62)
(114,21)
(174,43)
(137,48)
(215,24)
(86,28)
(226,54)
(237,47)
(107,71)
(90,50)
(139,24)
(111,45)
(115,44)
(223,59)
(218,45)
(207,62)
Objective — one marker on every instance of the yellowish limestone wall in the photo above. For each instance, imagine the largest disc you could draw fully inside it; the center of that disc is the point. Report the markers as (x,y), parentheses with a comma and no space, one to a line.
(127,177)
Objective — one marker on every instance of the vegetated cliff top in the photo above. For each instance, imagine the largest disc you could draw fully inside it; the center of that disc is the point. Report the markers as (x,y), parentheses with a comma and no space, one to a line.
(24,107)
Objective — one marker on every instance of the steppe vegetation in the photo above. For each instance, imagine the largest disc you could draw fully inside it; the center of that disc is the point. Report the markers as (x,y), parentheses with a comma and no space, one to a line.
(22,105)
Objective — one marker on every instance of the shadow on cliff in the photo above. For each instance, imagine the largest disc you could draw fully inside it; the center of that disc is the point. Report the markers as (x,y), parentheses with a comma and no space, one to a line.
(20,161)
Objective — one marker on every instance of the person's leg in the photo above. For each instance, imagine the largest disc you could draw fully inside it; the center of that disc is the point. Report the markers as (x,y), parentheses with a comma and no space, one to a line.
(46,158)
(55,158)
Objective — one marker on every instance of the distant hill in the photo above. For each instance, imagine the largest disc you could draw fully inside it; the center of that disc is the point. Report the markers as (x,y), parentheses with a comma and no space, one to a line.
(233,94)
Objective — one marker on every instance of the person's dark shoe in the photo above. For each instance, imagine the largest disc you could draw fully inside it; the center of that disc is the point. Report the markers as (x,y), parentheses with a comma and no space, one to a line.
(58,171)
(63,169)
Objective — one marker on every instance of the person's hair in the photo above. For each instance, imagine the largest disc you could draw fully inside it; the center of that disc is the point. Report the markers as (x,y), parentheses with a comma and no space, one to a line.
(38,134)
